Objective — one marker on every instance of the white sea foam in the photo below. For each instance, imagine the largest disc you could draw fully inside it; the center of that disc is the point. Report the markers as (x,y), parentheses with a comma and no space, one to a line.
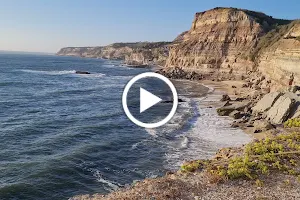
(111,185)
(196,131)
(64,72)
(184,143)
(50,72)
(184,112)
(207,134)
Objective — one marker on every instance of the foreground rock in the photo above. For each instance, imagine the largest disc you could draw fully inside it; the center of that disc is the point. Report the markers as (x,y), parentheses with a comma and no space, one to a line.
(262,125)
(198,186)
(238,106)
(264,114)
(266,102)
(281,109)
(225,97)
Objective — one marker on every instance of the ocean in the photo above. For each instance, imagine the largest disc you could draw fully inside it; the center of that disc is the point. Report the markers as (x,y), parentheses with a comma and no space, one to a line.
(64,134)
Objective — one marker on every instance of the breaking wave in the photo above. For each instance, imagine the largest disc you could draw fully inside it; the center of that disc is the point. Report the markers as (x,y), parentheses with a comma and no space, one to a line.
(63,72)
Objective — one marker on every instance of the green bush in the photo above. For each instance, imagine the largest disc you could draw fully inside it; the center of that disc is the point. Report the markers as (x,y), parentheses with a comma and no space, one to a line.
(281,153)
(292,123)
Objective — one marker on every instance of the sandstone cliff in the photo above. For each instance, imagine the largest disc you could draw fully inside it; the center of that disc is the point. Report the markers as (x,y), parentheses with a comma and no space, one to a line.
(221,41)
(140,53)
(281,57)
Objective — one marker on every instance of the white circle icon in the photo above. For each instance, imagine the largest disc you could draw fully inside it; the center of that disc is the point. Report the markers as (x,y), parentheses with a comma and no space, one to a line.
(148,100)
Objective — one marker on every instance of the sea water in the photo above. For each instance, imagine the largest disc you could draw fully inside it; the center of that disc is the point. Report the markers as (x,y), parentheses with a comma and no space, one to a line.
(64,134)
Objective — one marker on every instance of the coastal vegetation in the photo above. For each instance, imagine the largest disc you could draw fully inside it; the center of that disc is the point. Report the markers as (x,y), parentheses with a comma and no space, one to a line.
(280,153)
(292,123)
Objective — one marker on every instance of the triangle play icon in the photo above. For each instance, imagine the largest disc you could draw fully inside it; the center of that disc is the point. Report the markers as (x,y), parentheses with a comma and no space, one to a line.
(147,100)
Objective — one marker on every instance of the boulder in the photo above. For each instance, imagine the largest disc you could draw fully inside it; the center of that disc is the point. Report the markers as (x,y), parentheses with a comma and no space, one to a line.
(295,112)
(245,85)
(240,99)
(256,87)
(225,97)
(281,109)
(227,103)
(226,110)
(295,88)
(235,125)
(254,94)
(266,102)
(236,114)
(262,125)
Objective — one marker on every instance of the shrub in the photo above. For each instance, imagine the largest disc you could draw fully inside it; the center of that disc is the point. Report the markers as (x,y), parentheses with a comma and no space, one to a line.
(292,123)
(280,153)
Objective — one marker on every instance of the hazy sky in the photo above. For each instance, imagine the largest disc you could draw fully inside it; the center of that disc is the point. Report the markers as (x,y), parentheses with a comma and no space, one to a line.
(47,25)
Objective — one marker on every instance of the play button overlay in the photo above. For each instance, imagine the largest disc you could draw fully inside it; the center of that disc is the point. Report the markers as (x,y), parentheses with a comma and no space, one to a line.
(150,100)
(147,100)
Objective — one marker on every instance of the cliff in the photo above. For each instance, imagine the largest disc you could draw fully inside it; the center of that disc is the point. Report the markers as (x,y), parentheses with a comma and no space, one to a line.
(281,57)
(221,41)
(140,53)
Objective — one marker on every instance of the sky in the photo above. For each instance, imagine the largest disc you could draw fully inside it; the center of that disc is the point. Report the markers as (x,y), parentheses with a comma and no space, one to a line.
(48,25)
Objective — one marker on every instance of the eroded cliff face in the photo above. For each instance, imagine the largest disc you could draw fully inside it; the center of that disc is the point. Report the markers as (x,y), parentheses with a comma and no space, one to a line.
(140,53)
(282,58)
(153,56)
(219,42)
(74,51)
(106,52)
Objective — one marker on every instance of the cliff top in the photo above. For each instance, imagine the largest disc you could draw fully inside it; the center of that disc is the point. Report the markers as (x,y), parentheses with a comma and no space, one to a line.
(134,45)
(259,17)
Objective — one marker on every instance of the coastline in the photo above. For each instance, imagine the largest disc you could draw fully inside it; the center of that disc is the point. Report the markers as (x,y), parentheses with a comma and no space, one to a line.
(198,183)
(226,87)
(212,101)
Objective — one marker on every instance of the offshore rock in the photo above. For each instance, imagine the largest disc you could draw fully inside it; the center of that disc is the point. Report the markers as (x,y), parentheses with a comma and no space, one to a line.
(82,72)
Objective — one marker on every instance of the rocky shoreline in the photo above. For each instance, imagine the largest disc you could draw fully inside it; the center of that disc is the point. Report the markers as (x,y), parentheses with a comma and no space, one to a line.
(250,114)
(253,108)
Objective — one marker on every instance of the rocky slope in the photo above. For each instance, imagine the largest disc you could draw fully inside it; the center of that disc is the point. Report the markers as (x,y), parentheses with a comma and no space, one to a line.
(222,41)
(140,53)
